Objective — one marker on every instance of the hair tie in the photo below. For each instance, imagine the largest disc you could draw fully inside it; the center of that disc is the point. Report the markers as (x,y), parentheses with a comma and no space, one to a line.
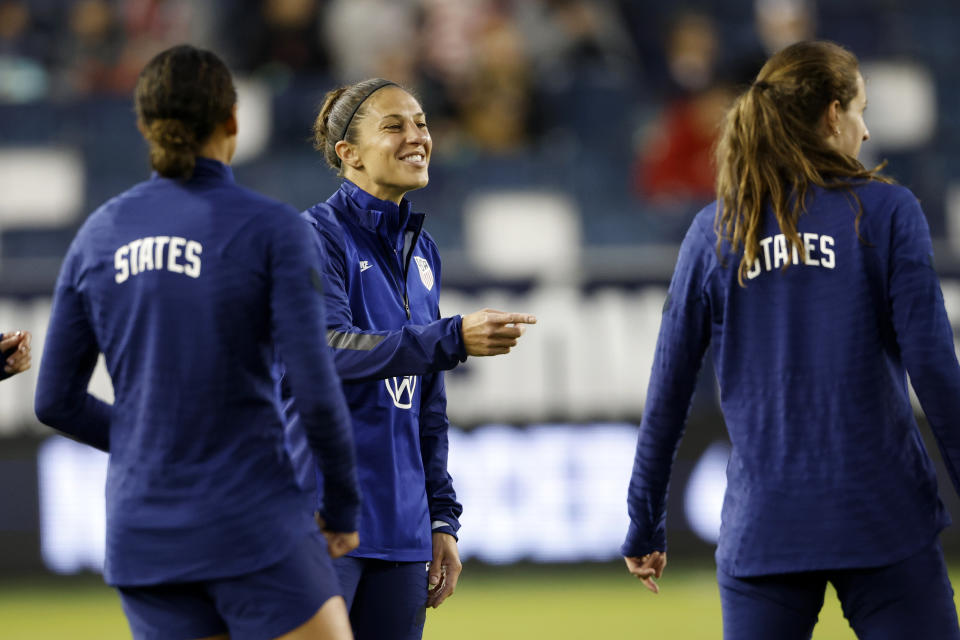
(370,92)
(761,85)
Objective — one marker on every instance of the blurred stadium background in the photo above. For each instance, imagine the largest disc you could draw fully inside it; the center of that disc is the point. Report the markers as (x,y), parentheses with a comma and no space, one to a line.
(572,147)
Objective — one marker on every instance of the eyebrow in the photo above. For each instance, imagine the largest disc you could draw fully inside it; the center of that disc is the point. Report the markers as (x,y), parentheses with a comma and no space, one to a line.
(419,114)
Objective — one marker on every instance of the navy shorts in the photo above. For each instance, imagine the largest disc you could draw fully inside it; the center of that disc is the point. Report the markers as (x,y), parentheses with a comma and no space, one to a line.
(387,600)
(263,604)
(912,598)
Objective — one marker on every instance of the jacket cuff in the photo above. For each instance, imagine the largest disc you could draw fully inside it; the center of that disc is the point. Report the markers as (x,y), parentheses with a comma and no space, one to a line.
(439,526)
(637,544)
(461,346)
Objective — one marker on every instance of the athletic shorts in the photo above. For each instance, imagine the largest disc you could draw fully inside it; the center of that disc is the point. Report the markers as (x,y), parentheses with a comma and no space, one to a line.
(387,600)
(910,599)
(258,605)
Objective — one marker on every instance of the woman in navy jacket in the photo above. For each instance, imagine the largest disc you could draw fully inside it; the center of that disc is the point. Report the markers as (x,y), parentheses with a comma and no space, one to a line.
(812,277)
(390,345)
(189,284)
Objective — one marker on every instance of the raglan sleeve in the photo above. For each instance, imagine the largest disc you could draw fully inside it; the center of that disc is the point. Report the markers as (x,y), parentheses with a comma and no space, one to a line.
(69,356)
(363,354)
(681,344)
(923,330)
(297,310)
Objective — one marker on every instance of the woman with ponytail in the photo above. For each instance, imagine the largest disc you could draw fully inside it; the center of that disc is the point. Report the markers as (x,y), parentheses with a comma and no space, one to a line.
(190,285)
(381,281)
(811,276)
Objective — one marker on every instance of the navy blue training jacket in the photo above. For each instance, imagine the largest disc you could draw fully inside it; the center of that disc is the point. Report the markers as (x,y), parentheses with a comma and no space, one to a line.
(390,345)
(188,288)
(828,469)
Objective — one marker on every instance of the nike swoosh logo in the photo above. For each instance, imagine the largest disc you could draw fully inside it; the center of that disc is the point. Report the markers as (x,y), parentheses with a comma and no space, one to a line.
(364,265)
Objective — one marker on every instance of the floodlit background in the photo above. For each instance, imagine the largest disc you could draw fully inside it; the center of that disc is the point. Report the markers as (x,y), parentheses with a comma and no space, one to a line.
(572,147)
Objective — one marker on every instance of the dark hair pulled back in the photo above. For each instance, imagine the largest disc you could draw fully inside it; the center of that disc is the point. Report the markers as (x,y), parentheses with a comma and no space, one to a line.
(771,148)
(342,111)
(182,95)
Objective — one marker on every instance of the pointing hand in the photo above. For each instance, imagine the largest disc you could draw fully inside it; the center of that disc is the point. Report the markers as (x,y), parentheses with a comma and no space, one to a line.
(489,332)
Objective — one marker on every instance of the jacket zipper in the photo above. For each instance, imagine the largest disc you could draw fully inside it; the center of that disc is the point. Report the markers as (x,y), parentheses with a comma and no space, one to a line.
(414,236)
(405,264)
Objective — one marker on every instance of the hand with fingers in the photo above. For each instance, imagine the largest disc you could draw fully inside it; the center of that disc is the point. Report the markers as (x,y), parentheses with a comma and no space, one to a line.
(444,571)
(490,332)
(15,350)
(647,568)
(339,543)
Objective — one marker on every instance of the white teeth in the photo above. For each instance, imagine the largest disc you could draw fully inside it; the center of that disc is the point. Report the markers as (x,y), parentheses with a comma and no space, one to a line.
(415,158)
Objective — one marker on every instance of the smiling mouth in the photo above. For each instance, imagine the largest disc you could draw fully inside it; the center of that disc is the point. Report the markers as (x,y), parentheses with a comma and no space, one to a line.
(414,158)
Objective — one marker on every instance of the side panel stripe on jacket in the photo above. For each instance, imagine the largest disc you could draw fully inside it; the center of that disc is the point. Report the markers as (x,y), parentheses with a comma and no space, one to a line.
(353,341)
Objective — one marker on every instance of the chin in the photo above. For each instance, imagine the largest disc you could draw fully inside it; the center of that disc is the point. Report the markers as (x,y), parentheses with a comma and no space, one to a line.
(418,183)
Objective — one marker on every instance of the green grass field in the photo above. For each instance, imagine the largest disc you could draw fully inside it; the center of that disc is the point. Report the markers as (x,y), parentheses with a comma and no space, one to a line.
(559,603)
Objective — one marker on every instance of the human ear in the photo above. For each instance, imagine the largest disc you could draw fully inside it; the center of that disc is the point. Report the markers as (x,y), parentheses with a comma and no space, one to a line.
(230,124)
(348,154)
(831,118)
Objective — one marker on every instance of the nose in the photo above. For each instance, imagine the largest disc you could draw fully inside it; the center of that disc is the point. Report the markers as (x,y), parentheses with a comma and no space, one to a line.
(416,134)
(866,134)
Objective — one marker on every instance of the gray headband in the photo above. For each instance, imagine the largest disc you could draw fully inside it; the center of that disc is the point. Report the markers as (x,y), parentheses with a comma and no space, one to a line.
(370,92)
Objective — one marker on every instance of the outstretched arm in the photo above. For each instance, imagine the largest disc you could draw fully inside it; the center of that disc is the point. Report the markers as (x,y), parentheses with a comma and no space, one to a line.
(413,349)
(364,354)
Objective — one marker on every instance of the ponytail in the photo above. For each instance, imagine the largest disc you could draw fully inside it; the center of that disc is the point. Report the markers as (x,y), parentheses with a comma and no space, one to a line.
(173,148)
(770,149)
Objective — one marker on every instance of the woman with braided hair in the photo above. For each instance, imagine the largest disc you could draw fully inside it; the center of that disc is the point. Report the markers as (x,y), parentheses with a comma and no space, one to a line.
(812,278)
(190,285)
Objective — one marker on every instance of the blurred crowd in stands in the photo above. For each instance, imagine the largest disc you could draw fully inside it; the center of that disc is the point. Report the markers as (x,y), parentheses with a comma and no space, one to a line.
(616,100)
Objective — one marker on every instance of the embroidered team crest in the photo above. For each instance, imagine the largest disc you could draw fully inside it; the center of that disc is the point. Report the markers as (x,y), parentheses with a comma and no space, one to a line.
(426,274)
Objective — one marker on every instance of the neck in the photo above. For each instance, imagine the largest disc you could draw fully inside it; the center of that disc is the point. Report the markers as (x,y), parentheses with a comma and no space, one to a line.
(382,192)
(219,148)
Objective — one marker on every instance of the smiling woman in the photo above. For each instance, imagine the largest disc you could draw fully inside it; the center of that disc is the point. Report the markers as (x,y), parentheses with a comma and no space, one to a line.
(375,133)
(381,282)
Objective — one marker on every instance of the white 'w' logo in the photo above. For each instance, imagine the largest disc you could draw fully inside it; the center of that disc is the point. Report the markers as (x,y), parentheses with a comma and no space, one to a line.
(401,390)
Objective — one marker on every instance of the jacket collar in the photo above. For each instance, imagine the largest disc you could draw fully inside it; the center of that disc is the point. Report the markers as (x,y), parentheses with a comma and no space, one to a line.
(376,214)
(207,169)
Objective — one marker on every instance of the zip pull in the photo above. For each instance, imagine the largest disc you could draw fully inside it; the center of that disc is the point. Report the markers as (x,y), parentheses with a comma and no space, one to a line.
(406,304)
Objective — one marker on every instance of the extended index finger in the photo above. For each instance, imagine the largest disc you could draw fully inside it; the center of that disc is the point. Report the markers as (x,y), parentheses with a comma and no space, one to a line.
(512,318)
